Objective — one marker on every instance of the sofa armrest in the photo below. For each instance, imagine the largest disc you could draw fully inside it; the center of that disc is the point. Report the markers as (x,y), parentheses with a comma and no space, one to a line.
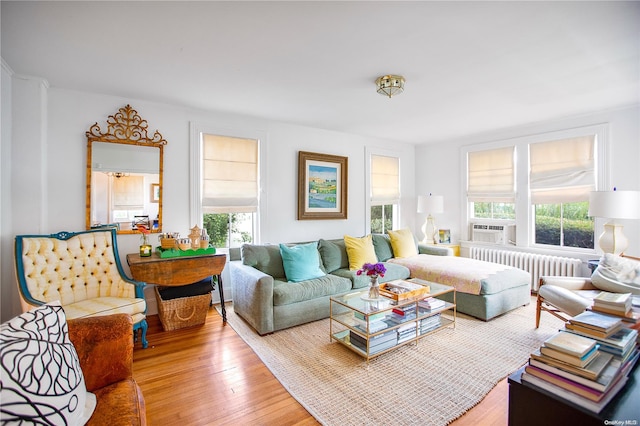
(570,283)
(252,296)
(105,348)
(435,250)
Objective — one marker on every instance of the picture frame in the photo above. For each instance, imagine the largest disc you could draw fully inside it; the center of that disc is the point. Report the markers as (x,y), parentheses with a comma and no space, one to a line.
(322,186)
(445,236)
(155,192)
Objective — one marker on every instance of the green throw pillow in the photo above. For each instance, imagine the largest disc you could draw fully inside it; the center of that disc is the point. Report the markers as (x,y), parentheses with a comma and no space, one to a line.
(334,254)
(301,262)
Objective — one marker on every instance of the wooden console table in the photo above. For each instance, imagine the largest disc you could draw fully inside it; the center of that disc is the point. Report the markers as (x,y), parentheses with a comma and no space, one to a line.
(178,271)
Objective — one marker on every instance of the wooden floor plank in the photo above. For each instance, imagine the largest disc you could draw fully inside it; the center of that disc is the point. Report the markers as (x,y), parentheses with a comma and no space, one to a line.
(207,375)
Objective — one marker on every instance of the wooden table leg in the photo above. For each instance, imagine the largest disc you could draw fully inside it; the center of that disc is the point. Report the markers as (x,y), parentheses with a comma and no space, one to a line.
(224,309)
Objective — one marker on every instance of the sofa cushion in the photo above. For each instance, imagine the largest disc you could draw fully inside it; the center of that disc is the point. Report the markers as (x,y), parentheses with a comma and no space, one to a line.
(334,254)
(265,258)
(301,262)
(360,251)
(403,243)
(382,247)
(107,305)
(285,293)
(41,376)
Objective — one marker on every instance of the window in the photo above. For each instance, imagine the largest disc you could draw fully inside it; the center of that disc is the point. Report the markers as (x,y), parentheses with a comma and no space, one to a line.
(540,182)
(229,189)
(561,176)
(491,183)
(385,192)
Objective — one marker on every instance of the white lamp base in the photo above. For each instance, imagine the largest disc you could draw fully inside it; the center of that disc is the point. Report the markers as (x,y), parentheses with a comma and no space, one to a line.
(612,240)
(430,231)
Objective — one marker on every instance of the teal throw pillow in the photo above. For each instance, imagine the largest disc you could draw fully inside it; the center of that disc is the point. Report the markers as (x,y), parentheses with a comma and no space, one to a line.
(301,262)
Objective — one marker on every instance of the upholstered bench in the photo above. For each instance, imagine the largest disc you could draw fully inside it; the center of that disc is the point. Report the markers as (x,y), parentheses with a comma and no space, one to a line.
(82,270)
(484,290)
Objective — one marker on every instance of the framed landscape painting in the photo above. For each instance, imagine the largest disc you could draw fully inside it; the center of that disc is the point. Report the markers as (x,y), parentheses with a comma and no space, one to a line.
(322,186)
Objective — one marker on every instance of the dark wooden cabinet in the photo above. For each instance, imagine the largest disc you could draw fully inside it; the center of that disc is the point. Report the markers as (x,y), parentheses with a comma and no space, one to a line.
(535,407)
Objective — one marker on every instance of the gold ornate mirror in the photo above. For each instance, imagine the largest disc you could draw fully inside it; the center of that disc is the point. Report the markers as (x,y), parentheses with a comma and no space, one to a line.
(124,174)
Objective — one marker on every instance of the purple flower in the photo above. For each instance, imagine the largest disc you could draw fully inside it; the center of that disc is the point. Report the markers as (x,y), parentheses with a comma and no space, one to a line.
(372,269)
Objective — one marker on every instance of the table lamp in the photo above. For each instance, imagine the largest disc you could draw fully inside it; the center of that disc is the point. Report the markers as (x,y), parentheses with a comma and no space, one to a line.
(614,205)
(430,204)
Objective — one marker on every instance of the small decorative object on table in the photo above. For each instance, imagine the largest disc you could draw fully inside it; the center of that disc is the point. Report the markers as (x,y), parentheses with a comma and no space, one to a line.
(204,239)
(195,237)
(184,243)
(168,240)
(373,270)
(145,247)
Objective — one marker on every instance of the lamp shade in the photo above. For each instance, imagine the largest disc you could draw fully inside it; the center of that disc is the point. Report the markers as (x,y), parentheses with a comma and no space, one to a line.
(615,204)
(430,204)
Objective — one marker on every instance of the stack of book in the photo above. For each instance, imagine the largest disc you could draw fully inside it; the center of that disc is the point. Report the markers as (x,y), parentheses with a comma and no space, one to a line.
(377,322)
(573,367)
(431,303)
(570,348)
(607,331)
(594,324)
(403,314)
(406,331)
(612,303)
(624,306)
(377,343)
(429,323)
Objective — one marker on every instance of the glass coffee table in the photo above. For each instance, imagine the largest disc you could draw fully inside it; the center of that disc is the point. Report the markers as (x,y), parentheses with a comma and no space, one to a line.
(372,327)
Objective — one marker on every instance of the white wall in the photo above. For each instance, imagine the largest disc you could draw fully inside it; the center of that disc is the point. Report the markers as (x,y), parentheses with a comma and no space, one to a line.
(6,235)
(443,174)
(52,198)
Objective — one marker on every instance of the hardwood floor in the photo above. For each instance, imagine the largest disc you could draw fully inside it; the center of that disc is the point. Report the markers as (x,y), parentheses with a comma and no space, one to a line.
(209,376)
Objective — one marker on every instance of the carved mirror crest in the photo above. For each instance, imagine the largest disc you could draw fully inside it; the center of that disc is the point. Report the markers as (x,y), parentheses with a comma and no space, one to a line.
(124,174)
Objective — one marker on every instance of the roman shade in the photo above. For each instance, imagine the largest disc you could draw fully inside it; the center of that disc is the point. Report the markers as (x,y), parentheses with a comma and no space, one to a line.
(562,171)
(491,176)
(230,174)
(385,180)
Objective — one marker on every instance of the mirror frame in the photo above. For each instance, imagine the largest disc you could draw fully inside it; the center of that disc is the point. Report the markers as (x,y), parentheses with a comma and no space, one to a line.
(128,128)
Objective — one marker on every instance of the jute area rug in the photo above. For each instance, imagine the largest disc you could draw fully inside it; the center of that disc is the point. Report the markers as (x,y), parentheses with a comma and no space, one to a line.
(432,382)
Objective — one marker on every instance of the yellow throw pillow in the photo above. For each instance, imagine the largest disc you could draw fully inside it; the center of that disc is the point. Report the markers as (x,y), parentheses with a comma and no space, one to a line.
(360,251)
(402,243)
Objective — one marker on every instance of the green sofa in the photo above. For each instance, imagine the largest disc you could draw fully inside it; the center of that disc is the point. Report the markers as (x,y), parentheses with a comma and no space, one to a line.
(268,302)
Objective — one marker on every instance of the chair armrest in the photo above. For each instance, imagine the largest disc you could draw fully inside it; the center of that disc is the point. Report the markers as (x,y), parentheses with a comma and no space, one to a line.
(570,283)
(105,348)
(435,250)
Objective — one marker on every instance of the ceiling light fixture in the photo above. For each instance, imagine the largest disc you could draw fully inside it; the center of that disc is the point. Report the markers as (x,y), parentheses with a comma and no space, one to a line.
(389,85)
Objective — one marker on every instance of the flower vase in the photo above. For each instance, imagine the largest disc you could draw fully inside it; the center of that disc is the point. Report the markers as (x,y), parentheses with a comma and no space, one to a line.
(145,247)
(374,287)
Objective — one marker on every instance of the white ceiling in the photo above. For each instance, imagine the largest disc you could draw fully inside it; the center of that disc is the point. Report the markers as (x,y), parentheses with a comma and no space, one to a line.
(470,66)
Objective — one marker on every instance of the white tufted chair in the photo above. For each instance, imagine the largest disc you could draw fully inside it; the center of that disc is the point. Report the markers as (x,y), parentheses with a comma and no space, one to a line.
(83,271)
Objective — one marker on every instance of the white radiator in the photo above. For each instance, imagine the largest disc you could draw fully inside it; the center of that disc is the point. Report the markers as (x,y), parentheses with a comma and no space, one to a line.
(536,264)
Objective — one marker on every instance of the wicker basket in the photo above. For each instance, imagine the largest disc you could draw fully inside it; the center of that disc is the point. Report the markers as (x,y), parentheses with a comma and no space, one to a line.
(168,243)
(183,311)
